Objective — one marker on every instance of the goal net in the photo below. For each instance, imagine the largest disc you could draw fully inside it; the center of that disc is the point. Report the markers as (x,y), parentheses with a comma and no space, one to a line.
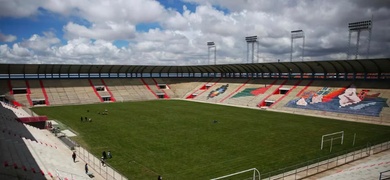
(332,137)
(253,174)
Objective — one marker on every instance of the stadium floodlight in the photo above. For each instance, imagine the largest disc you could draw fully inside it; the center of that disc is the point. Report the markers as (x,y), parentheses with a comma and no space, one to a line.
(251,40)
(211,45)
(297,34)
(358,27)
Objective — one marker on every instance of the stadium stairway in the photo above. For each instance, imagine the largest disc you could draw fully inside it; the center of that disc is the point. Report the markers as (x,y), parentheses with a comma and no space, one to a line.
(251,90)
(234,91)
(28,95)
(292,93)
(228,86)
(152,85)
(4,89)
(182,86)
(203,91)
(291,85)
(259,98)
(169,93)
(200,88)
(272,93)
(106,92)
(44,93)
(36,91)
(94,83)
(109,91)
(152,88)
(23,99)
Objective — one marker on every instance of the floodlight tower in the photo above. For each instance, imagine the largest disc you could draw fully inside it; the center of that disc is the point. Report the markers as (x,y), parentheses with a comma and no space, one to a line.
(296,35)
(251,40)
(358,27)
(212,45)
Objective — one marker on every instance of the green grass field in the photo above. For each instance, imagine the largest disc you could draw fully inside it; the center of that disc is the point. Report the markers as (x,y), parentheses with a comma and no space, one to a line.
(179,140)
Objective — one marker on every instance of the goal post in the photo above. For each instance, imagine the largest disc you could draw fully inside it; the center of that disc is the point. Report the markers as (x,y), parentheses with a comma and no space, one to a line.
(256,173)
(331,137)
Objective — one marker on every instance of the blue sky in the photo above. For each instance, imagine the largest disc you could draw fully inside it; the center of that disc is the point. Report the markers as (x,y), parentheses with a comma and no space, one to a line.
(45,21)
(175,31)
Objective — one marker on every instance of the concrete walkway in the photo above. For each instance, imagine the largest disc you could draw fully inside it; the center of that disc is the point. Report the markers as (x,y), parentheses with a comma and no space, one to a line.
(366,168)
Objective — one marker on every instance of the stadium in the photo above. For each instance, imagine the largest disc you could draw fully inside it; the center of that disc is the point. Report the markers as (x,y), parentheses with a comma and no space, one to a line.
(194,89)
(195,121)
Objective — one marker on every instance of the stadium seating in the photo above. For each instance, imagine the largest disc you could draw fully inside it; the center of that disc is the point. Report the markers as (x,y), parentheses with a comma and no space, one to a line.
(129,89)
(251,90)
(36,151)
(240,92)
(181,87)
(223,89)
(31,153)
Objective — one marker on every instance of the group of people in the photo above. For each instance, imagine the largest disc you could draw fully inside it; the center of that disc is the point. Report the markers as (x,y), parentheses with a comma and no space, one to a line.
(105,112)
(105,155)
(86,119)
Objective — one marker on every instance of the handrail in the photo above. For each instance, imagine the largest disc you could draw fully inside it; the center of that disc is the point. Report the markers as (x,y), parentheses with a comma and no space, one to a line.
(384,176)
(356,153)
(95,163)
(72,175)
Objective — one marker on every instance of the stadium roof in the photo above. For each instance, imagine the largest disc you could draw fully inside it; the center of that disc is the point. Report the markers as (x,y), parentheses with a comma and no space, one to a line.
(331,66)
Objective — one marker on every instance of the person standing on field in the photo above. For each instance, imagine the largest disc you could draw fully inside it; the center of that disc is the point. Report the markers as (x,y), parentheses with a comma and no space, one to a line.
(74,156)
(86,168)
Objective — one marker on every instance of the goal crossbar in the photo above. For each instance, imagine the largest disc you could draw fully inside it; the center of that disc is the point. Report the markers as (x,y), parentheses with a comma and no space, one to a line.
(333,138)
(244,171)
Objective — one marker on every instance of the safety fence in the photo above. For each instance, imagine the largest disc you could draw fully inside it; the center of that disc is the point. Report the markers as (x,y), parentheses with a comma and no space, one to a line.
(63,175)
(322,164)
(384,175)
(106,171)
(380,147)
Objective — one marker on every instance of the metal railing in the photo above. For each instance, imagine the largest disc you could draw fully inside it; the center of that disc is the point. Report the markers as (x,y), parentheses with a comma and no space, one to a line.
(380,147)
(319,165)
(106,171)
(66,175)
(310,167)
(384,175)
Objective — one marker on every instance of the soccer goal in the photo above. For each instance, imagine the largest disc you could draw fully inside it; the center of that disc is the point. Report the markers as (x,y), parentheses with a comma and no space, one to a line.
(331,137)
(256,174)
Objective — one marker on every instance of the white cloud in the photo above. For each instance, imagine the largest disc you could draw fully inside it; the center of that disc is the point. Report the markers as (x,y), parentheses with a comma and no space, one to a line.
(19,8)
(106,31)
(7,38)
(41,43)
(182,37)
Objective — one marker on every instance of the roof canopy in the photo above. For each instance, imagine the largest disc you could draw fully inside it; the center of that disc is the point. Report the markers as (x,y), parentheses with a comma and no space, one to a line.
(331,66)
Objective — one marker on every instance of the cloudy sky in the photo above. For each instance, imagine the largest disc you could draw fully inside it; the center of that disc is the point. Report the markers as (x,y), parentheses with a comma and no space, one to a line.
(175,32)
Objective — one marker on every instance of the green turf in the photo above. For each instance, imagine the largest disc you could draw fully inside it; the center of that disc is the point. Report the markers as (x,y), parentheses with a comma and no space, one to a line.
(179,140)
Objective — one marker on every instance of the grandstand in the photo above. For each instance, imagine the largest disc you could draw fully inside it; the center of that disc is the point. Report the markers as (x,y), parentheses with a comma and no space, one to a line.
(351,90)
